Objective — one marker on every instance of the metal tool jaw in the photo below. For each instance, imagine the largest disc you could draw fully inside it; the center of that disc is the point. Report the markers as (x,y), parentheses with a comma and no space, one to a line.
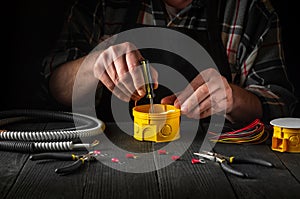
(211,156)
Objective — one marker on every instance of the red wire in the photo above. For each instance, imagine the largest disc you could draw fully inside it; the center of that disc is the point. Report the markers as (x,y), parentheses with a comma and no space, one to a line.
(253,128)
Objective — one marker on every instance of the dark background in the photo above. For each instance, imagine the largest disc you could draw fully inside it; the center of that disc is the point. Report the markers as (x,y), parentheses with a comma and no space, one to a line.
(30,28)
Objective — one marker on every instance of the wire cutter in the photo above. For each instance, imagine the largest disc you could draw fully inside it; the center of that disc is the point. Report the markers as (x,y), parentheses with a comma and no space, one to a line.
(224,162)
(79,160)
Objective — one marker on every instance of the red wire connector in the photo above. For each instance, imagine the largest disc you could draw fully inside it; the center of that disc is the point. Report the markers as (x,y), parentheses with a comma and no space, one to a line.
(162,152)
(130,155)
(198,161)
(115,160)
(175,157)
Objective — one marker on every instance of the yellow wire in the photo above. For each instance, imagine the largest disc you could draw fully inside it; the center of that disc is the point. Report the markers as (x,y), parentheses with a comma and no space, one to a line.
(255,139)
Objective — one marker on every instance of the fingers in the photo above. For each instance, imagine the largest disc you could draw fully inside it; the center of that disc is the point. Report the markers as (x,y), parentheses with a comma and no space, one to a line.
(123,79)
(207,107)
(119,69)
(169,99)
(133,62)
(197,83)
(106,80)
(206,95)
(110,78)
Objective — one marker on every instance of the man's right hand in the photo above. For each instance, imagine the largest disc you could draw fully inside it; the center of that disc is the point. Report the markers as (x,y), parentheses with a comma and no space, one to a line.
(119,69)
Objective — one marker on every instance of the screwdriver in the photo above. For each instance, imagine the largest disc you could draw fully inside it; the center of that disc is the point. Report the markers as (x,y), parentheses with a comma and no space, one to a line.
(148,82)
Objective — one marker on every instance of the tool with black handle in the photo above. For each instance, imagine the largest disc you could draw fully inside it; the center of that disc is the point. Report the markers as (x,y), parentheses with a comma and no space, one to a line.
(79,160)
(224,162)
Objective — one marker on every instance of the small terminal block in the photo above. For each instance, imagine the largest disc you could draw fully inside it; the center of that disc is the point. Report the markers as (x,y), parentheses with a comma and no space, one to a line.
(286,135)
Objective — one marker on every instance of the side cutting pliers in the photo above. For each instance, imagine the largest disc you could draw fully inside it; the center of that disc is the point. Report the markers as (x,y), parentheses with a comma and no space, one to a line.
(78,160)
(225,162)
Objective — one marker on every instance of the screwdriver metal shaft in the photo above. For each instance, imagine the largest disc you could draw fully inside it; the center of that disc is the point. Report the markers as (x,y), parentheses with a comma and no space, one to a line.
(148,82)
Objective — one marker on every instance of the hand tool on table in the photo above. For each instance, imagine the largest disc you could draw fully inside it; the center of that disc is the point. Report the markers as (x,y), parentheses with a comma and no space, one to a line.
(225,162)
(79,160)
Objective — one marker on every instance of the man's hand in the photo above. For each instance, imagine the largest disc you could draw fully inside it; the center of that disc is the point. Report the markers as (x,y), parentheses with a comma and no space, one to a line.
(119,69)
(207,94)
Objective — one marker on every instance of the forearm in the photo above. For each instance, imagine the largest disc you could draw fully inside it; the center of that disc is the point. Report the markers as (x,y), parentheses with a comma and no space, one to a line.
(63,79)
(246,106)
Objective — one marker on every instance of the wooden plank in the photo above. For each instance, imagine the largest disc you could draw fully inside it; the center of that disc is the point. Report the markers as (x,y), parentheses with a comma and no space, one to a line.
(292,162)
(38,180)
(182,179)
(129,179)
(106,182)
(179,179)
(265,182)
(11,165)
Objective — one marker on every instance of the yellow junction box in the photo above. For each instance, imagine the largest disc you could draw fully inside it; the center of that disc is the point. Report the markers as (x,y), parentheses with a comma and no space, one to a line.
(161,125)
(286,135)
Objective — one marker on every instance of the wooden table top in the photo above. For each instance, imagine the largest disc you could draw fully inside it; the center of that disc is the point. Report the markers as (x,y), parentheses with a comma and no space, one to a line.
(151,175)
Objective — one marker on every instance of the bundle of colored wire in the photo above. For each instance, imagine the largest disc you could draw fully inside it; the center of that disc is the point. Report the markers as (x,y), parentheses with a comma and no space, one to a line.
(254,133)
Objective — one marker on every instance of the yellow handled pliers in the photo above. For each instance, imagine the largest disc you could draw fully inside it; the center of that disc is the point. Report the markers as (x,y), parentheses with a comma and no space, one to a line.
(224,162)
(78,160)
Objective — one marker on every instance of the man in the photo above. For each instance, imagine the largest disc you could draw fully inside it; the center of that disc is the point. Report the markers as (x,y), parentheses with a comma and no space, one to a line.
(258,86)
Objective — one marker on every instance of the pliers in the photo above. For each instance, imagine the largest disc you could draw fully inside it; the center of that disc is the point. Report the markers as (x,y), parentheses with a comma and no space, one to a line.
(78,160)
(224,162)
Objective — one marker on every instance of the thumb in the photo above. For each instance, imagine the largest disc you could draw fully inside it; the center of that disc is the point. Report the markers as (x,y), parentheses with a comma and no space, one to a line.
(169,99)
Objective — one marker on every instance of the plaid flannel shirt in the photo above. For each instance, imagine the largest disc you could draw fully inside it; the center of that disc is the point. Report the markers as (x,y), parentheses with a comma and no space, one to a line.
(250,32)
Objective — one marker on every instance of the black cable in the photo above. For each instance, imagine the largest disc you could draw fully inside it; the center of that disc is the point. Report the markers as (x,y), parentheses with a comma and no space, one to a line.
(26,147)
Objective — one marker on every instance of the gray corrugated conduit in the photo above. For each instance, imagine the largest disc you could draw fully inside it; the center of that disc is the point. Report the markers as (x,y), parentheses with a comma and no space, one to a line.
(47,140)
